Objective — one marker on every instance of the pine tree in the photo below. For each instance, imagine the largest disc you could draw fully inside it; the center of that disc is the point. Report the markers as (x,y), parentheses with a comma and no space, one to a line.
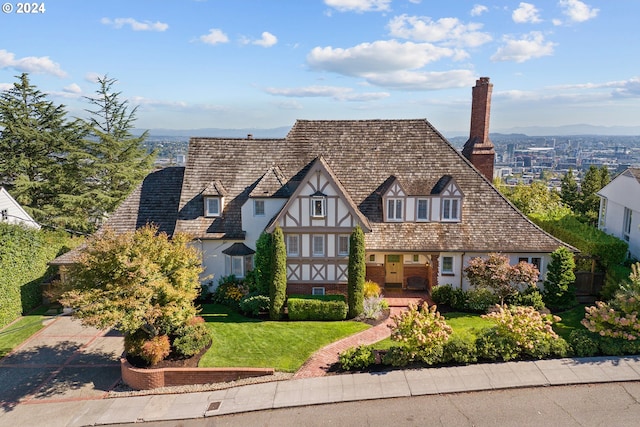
(119,161)
(594,180)
(262,264)
(356,272)
(39,155)
(569,190)
(278,288)
(559,286)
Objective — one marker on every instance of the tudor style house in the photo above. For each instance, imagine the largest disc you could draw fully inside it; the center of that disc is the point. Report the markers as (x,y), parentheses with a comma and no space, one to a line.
(425,208)
(11,212)
(620,209)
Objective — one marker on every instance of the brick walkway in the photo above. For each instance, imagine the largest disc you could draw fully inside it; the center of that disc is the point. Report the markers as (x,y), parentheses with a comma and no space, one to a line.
(320,362)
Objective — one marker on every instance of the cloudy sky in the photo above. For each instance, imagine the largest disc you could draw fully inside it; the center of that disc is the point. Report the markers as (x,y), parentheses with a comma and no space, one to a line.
(263,64)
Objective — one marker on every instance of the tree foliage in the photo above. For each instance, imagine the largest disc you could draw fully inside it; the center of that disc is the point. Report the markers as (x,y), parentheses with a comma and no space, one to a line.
(535,198)
(593,181)
(569,192)
(138,282)
(262,270)
(497,274)
(278,285)
(356,272)
(559,285)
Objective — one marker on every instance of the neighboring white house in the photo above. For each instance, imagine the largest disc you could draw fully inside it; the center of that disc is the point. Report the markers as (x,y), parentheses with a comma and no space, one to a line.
(12,212)
(620,209)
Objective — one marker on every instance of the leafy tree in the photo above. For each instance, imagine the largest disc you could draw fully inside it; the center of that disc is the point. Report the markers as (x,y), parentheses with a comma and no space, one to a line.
(142,283)
(569,190)
(262,269)
(119,161)
(533,199)
(40,152)
(497,274)
(356,272)
(559,286)
(278,285)
(594,180)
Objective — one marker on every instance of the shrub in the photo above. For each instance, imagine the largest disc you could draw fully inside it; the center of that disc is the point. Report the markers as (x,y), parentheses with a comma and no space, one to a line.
(371,289)
(359,358)
(278,285)
(530,297)
(460,349)
(559,286)
(479,300)
(458,300)
(155,349)
(253,305)
(192,337)
(518,331)
(441,295)
(356,272)
(373,307)
(583,343)
(133,342)
(422,331)
(229,292)
(313,309)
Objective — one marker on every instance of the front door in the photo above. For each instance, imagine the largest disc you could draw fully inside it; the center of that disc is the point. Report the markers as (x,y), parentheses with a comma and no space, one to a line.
(393,269)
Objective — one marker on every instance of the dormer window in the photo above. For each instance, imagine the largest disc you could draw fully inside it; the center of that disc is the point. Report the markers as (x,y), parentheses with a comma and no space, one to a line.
(212,206)
(318,207)
(451,209)
(422,211)
(394,210)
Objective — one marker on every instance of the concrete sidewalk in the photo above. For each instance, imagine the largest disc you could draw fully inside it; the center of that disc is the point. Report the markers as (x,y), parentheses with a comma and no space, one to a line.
(328,389)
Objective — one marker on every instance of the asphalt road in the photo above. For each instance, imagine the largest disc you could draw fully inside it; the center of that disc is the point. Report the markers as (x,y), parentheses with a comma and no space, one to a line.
(610,404)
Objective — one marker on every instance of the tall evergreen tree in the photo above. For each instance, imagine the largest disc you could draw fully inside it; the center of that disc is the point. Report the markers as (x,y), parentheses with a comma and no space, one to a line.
(356,272)
(263,264)
(559,286)
(278,288)
(594,180)
(569,190)
(39,152)
(119,161)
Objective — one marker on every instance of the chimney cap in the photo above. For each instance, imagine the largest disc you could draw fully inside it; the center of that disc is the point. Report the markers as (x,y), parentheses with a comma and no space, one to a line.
(249,136)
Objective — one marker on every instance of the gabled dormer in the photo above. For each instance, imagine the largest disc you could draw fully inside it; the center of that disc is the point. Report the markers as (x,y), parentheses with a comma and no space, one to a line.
(447,198)
(394,202)
(213,197)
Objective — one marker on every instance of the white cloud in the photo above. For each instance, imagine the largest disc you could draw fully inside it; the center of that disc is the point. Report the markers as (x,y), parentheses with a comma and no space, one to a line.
(30,64)
(135,25)
(73,88)
(92,77)
(6,86)
(214,37)
(153,104)
(337,93)
(577,11)
(376,57)
(479,9)
(526,13)
(530,46)
(267,40)
(359,5)
(620,88)
(449,31)
(423,80)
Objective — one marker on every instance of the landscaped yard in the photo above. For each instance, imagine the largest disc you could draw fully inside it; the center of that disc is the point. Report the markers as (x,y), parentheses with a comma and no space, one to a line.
(16,333)
(285,346)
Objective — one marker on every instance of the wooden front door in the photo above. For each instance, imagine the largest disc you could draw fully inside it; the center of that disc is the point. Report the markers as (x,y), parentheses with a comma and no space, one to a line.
(393,269)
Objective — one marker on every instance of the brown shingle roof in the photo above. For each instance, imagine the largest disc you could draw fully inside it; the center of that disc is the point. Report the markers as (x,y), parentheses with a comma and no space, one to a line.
(363,154)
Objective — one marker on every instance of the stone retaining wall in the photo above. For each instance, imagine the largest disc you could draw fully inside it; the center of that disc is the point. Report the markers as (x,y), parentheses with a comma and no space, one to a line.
(146,379)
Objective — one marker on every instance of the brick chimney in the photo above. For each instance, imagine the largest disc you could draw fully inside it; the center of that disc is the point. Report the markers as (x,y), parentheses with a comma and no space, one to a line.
(479,149)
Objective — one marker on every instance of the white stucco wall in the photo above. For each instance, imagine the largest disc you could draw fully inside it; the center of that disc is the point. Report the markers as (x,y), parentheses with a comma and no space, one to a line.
(623,191)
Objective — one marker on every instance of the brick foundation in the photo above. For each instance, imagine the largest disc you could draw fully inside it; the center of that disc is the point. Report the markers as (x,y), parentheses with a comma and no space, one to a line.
(305,288)
(375,273)
(147,379)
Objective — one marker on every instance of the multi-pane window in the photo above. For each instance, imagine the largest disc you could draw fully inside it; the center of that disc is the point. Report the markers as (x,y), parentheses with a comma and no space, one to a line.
(628,217)
(450,209)
(536,261)
(4,215)
(603,213)
(423,210)
(317,290)
(394,210)
(318,205)
(447,264)
(240,265)
(293,245)
(318,245)
(258,207)
(343,245)
(212,206)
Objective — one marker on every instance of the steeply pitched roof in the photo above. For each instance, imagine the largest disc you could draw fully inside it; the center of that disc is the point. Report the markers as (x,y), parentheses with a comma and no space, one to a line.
(362,154)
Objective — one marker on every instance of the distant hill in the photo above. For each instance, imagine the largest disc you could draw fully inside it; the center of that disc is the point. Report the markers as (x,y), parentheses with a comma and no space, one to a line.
(567,130)
(280,132)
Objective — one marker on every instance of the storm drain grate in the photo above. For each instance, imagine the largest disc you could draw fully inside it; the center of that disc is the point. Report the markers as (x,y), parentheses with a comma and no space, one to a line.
(214,406)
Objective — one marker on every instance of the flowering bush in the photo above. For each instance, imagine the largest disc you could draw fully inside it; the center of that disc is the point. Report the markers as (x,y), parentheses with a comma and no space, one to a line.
(422,332)
(229,292)
(520,331)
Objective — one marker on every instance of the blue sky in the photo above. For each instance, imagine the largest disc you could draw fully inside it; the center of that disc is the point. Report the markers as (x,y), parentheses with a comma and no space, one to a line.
(263,64)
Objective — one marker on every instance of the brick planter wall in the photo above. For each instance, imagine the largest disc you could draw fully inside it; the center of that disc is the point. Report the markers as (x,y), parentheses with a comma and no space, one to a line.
(147,379)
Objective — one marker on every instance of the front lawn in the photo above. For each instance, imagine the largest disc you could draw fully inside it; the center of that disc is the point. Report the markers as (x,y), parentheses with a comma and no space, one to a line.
(570,321)
(16,333)
(285,346)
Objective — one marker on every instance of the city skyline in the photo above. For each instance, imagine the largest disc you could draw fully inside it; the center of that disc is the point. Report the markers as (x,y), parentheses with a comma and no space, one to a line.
(264,64)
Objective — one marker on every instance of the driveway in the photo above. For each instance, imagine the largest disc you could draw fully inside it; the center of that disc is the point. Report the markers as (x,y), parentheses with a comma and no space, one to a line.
(63,362)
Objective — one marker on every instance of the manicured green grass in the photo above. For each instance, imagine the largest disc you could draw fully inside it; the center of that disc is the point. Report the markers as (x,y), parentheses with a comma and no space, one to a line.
(285,346)
(570,321)
(16,333)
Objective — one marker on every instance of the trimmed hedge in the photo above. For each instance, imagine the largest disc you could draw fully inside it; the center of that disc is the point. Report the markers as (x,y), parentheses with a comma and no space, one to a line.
(24,257)
(315,309)
(609,249)
(331,297)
